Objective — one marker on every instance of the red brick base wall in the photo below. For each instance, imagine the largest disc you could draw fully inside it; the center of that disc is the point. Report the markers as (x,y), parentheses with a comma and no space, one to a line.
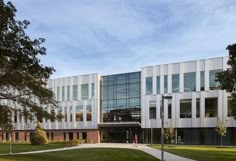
(93,136)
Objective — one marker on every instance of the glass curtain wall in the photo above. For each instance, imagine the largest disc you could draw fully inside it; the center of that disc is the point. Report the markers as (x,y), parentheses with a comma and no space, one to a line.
(121,97)
(189,82)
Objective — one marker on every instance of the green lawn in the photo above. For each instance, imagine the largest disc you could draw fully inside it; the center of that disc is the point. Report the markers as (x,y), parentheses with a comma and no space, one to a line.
(4,148)
(202,153)
(101,154)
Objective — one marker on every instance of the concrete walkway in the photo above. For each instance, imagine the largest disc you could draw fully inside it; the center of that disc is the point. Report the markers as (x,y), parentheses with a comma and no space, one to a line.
(154,152)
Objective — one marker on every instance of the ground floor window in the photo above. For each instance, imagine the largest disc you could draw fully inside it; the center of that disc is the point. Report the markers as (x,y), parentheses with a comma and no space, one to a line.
(70,135)
(84,136)
(16,136)
(64,135)
(77,135)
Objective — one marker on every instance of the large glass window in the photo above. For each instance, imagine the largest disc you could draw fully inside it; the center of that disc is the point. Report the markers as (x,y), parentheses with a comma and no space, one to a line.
(71,114)
(58,93)
(75,92)
(63,93)
(89,112)
(93,90)
(148,85)
(186,108)
(202,84)
(68,93)
(213,85)
(175,83)
(211,107)
(189,82)
(169,109)
(198,107)
(65,113)
(158,85)
(79,113)
(231,106)
(152,109)
(165,84)
(59,114)
(84,91)
(121,97)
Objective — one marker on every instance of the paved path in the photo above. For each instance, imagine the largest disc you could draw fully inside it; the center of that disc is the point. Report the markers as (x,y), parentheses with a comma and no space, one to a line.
(154,152)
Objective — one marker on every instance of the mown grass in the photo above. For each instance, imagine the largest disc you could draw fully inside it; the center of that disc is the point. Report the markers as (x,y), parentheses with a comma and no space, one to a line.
(202,153)
(96,154)
(4,148)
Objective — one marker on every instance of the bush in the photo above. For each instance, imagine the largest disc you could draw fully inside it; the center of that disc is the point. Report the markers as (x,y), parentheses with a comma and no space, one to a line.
(73,143)
(39,137)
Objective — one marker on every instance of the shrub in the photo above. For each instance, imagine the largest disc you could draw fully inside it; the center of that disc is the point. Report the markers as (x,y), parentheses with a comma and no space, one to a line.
(73,143)
(39,137)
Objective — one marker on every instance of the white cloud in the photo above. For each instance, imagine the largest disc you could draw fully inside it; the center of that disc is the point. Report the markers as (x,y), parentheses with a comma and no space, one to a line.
(114,36)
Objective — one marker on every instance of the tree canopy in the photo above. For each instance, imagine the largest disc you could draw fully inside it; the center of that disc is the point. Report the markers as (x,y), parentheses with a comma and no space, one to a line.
(227,78)
(23,79)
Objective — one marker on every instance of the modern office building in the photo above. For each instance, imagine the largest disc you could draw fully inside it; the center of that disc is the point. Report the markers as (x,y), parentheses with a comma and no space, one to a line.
(114,108)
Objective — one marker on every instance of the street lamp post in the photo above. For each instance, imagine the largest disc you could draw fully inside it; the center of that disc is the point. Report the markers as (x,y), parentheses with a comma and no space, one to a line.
(162,125)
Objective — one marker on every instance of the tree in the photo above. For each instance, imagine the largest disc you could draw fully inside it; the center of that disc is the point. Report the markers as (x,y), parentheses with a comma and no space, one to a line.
(221,129)
(39,137)
(23,79)
(169,132)
(227,78)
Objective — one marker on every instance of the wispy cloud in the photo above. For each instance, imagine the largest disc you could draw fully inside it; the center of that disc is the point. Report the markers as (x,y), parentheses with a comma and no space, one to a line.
(115,36)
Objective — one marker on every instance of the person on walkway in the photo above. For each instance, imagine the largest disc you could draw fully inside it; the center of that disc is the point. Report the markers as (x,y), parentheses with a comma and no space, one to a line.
(135,140)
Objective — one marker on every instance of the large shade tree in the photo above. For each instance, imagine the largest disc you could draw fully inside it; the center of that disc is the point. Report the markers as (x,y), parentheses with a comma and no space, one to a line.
(227,78)
(23,79)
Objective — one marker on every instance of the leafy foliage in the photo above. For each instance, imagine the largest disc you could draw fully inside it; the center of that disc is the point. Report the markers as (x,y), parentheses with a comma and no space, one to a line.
(169,132)
(39,137)
(23,78)
(227,78)
(221,128)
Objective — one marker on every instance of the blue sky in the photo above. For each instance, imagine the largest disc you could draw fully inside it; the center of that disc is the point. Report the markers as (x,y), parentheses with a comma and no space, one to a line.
(117,36)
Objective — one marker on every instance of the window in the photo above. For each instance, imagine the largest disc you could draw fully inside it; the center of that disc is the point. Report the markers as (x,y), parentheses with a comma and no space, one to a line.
(60,114)
(165,84)
(152,109)
(84,136)
(198,108)
(202,84)
(58,93)
(175,83)
(158,85)
(186,108)
(79,113)
(84,91)
(75,92)
(71,136)
(148,85)
(71,114)
(65,114)
(211,107)
(47,135)
(63,93)
(169,109)
(68,93)
(52,136)
(213,85)
(189,82)
(16,136)
(93,90)
(231,106)
(64,134)
(89,112)
(77,135)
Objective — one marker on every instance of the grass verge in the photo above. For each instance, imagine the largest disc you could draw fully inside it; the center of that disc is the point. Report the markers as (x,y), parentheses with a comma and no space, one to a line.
(202,153)
(4,148)
(101,154)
